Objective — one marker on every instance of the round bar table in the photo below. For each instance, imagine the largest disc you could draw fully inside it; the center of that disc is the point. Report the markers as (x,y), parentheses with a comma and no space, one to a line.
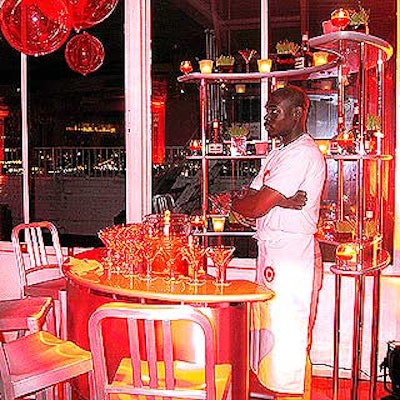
(227,306)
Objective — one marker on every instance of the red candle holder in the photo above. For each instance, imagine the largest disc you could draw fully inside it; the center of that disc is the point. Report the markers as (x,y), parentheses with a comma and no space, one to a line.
(340,18)
(186,67)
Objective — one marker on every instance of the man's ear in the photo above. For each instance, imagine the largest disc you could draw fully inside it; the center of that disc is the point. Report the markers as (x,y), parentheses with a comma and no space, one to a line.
(297,112)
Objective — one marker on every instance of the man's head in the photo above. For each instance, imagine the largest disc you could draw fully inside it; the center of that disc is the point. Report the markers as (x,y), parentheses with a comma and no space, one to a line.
(286,112)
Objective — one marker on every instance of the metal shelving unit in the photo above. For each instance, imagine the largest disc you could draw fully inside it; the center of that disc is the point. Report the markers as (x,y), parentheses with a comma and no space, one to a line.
(361,53)
(358,53)
(203,80)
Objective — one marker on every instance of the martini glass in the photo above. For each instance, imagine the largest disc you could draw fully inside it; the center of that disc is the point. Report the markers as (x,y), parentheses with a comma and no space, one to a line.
(247,55)
(150,250)
(108,237)
(194,255)
(134,249)
(171,252)
(221,256)
(117,245)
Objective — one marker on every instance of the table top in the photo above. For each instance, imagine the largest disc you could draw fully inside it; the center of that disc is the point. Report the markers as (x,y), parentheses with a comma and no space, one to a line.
(93,276)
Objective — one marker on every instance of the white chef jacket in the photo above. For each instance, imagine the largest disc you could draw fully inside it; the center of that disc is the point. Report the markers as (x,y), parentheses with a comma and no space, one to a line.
(286,264)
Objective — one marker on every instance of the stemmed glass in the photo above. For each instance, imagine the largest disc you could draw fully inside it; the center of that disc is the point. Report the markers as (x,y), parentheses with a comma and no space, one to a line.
(150,250)
(221,256)
(135,248)
(170,249)
(247,55)
(108,237)
(117,255)
(194,255)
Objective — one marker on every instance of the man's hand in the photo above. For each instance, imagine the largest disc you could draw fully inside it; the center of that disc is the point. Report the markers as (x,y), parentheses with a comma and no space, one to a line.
(249,222)
(296,202)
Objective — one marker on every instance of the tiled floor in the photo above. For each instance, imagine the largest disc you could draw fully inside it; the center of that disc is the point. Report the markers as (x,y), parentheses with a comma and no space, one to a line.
(321,389)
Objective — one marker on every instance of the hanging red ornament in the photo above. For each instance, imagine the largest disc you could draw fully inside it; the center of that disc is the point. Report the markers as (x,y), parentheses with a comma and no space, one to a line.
(84,53)
(35,27)
(86,13)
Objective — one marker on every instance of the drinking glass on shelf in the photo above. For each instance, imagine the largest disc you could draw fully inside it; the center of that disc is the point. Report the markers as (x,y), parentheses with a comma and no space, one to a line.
(194,254)
(247,55)
(221,256)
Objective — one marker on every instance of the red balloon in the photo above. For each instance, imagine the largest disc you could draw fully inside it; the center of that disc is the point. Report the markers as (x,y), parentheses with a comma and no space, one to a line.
(84,53)
(86,13)
(35,27)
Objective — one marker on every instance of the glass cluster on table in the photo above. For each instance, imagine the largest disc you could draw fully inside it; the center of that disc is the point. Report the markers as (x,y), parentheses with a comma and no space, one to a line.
(162,247)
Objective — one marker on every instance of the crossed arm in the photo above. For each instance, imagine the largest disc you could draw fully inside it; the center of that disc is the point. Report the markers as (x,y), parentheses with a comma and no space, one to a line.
(256,203)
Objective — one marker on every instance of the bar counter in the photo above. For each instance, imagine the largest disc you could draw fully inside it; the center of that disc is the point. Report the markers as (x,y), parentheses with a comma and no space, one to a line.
(89,286)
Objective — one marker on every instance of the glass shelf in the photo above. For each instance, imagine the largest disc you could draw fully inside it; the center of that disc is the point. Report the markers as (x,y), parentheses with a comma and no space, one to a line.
(319,72)
(367,268)
(355,157)
(347,44)
(222,157)
(225,233)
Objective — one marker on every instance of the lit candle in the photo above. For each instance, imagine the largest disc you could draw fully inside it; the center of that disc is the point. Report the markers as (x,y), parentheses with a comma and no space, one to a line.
(320,58)
(340,18)
(240,88)
(186,67)
(264,65)
(206,66)
(167,219)
(347,252)
(218,223)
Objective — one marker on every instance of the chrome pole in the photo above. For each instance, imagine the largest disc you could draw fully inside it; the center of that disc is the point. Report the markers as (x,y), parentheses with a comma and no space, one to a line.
(336,340)
(376,290)
(357,334)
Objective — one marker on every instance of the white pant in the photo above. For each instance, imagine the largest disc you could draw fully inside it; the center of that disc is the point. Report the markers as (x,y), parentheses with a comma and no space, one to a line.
(280,327)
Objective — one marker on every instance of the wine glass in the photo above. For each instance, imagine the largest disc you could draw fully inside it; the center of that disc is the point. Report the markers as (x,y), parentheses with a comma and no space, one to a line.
(221,256)
(247,55)
(193,253)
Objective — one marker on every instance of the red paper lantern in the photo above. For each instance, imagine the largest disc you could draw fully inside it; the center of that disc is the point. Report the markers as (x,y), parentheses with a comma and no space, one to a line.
(84,53)
(86,13)
(35,27)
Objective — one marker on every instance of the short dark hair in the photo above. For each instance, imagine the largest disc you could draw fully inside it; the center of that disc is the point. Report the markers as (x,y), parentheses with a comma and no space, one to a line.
(296,96)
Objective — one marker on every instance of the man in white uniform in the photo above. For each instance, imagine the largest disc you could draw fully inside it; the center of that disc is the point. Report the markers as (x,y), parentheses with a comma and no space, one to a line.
(284,198)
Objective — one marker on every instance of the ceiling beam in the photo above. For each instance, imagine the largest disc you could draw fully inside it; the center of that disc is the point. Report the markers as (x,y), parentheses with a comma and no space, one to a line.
(198,10)
(254,23)
(216,25)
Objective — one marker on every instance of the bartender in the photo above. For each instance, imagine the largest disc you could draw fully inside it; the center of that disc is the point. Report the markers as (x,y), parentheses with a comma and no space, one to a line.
(284,199)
